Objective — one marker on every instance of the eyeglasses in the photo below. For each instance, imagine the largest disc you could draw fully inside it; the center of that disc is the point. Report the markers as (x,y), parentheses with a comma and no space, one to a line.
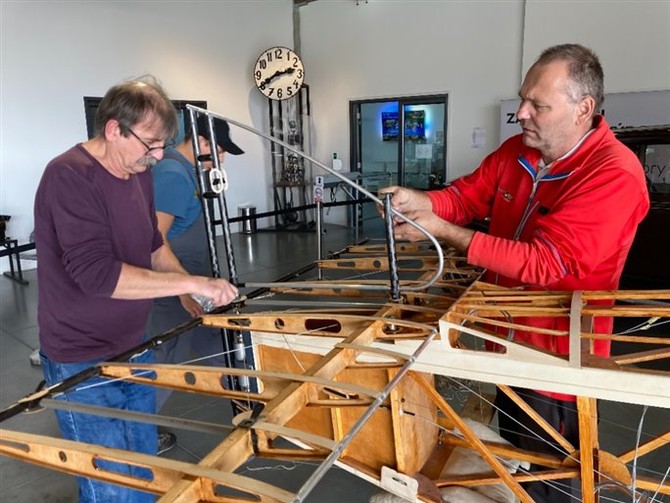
(150,150)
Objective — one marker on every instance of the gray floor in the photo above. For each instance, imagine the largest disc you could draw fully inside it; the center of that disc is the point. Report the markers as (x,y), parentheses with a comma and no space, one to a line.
(264,256)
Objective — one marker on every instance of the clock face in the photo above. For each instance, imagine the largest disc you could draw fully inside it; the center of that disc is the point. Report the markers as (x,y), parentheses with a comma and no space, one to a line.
(279,73)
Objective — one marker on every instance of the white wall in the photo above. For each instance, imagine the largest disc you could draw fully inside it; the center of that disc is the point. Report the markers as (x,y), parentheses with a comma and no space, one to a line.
(475,51)
(632,38)
(55,53)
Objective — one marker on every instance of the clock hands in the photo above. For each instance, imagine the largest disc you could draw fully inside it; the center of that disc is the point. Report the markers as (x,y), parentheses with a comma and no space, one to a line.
(289,70)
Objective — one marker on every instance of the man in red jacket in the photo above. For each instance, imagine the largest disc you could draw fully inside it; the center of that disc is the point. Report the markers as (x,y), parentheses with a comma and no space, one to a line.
(564,199)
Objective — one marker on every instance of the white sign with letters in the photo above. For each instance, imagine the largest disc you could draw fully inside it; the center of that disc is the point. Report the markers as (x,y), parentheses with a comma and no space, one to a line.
(645,108)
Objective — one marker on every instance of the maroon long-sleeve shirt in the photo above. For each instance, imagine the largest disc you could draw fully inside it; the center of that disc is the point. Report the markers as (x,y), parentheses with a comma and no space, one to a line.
(87,223)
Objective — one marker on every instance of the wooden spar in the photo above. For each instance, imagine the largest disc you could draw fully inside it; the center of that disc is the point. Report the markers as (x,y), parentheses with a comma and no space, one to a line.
(320,370)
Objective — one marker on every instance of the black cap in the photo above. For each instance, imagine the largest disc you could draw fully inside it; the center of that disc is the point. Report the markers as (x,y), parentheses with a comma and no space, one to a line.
(222,132)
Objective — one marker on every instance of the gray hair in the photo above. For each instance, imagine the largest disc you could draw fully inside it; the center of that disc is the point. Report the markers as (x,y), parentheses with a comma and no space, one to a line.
(584,71)
(132,101)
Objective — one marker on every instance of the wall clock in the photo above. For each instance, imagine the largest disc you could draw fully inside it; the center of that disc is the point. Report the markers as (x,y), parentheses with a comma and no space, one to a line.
(279,73)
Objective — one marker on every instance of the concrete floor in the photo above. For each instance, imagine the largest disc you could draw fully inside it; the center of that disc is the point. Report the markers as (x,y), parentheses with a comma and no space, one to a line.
(264,256)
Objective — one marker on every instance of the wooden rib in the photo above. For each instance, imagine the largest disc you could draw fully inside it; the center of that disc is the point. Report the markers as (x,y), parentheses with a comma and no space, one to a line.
(78,458)
(643,311)
(628,338)
(652,485)
(395,355)
(509,451)
(125,371)
(284,431)
(289,323)
(490,479)
(641,356)
(505,324)
(519,310)
(403,247)
(645,448)
(406,263)
(541,422)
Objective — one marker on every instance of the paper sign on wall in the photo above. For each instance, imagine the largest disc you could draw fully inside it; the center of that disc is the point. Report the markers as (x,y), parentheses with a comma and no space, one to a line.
(423,151)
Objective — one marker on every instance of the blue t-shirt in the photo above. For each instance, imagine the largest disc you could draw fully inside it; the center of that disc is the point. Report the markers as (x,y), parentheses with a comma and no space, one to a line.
(176,191)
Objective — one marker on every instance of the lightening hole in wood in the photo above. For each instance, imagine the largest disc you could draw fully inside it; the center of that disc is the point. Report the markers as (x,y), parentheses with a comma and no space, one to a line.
(189,378)
(15,445)
(146,374)
(340,394)
(139,472)
(330,326)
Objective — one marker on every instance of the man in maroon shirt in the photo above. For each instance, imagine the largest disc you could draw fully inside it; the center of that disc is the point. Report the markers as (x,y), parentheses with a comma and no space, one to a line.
(101,262)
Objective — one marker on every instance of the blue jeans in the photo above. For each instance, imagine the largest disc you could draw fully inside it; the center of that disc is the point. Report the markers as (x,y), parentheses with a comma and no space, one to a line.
(108,432)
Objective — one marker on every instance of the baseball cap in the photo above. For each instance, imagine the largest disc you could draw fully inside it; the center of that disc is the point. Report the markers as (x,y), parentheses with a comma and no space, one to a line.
(222,132)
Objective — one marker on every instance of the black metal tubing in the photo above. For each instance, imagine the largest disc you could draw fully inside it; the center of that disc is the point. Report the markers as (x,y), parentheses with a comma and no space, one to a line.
(390,239)
(207,210)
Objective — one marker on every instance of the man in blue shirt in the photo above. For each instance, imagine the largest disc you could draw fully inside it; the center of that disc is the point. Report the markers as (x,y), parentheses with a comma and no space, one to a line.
(181,222)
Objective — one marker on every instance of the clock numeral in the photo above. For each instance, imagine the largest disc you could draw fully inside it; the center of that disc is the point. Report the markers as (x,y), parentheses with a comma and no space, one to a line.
(263,64)
(296,84)
(270,91)
(279,93)
(278,53)
(258,74)
(268,56)
(300,73)
(295,61)
(289,91)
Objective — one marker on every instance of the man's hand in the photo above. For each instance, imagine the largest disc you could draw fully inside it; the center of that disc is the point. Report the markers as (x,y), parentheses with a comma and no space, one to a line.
(453,235)
(406,200)
(219,291)
(191,306)
(426,219)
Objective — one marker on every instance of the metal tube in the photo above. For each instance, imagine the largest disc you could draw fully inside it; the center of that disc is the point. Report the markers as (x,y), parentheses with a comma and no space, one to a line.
(211,243)
(319,235)
(140,417)
(390,239)
(223,207)
(209,227)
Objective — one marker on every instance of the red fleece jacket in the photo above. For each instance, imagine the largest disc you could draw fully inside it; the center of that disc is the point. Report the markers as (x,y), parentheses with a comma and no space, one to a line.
(570,230)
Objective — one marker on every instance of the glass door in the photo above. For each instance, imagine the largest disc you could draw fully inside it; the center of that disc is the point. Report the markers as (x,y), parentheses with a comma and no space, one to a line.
(423,149)
(399,141)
